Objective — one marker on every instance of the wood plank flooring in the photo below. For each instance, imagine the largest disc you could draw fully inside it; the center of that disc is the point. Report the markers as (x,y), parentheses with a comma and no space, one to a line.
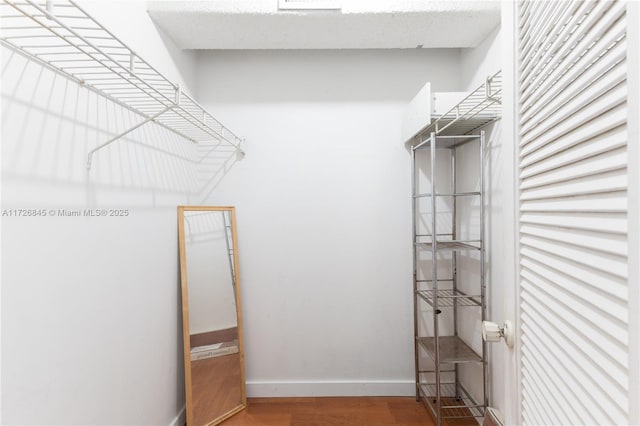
(343,411)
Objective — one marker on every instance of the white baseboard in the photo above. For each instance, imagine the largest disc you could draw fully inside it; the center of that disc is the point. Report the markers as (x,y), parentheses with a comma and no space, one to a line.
(331,388)
(181,418)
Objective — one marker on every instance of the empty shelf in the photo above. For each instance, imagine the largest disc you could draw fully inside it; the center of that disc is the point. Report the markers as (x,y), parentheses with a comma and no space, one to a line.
(446,298)
(454,404)
(64,38)
(458,194)
(452,349)
(455,245)
(480,107)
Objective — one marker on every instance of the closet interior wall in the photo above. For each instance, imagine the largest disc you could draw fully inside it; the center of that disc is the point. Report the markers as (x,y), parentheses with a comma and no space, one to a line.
(90,305)
(475,64)
(329,122)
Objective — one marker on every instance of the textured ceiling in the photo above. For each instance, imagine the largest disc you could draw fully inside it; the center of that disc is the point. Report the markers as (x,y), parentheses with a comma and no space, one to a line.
(360,24)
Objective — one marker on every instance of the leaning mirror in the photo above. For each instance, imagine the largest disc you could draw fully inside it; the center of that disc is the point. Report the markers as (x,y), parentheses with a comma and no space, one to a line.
(211,315)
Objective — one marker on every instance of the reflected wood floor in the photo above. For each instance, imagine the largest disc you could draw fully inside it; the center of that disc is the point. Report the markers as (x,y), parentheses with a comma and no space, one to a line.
(343,411)
(215,384)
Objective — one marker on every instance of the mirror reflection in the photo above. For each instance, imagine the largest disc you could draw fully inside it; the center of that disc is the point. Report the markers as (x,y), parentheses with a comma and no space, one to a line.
(214,365)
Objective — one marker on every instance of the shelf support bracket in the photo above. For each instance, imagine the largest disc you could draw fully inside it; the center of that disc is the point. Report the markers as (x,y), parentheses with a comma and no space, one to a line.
(178,94)
(126,132)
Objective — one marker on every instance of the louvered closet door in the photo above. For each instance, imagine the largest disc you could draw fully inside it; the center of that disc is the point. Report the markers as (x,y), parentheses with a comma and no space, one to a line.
(573,288)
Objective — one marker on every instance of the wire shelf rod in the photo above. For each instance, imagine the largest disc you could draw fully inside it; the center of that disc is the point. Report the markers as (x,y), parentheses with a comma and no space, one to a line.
(126,132)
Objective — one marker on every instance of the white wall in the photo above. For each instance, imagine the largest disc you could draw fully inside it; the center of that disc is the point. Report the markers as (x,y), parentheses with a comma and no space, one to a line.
(91,328)
(476,65)
(479,62)
(323,205)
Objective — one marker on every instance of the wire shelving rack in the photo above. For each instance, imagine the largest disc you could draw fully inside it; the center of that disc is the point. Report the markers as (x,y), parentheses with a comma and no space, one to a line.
(479,108)
(63,37)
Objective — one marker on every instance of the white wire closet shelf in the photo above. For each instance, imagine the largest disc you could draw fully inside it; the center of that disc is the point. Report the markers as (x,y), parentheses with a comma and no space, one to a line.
(477,109)
(63,37)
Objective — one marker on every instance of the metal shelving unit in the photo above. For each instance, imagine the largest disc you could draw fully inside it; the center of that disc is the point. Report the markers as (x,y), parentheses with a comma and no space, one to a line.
(440,349)
(64,38)
(440,293)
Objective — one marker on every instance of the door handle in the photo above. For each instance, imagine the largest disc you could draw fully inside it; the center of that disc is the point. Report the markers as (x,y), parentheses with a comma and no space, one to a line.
(492,332)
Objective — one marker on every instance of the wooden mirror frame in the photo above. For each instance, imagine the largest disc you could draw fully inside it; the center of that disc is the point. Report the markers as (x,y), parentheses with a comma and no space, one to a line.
(185,312)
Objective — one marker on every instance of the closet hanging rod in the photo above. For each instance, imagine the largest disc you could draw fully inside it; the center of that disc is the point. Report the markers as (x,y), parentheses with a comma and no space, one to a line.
(76,46)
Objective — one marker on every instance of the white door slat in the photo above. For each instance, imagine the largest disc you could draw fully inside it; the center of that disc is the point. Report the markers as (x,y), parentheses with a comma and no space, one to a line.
(590,62)
(577,118)
(607,263)
(597,241)
(577,221)
(530,411)
(554,398)
(610,312)
(556,36)
(578,58)
(593,165)
(613,287)
(539,378)
(543,26)
(604,182)
(584,208)
(583,332)
(609,120)
(558,372)
(600,144)
(577,40)
(594,82)
(595,367)
(549,344)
